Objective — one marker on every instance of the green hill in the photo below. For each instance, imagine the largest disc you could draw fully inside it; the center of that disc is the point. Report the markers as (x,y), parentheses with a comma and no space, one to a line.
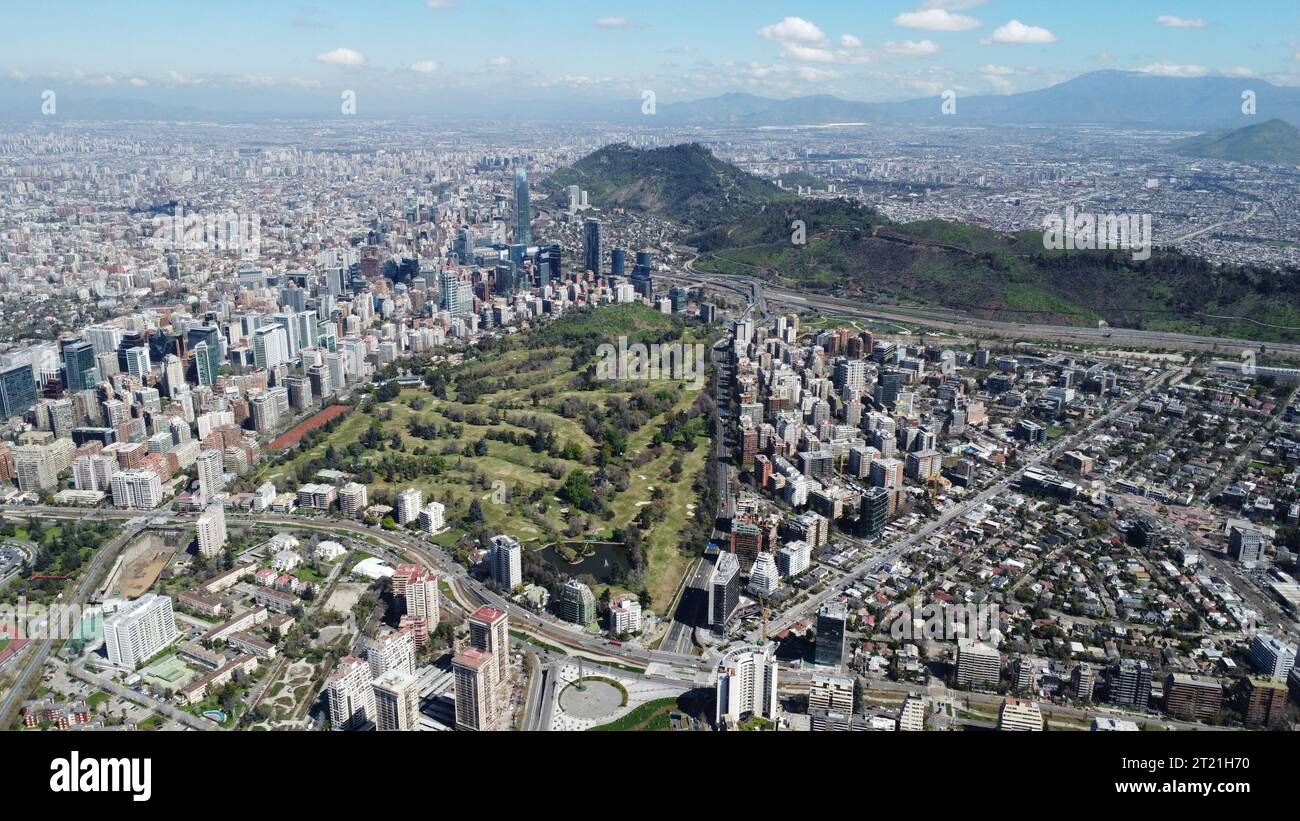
(1274,142)
(852,251)
(744,225)
(684,183)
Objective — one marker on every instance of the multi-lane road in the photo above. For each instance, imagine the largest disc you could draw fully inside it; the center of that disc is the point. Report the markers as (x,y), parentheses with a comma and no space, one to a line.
(38,650)
(758,292)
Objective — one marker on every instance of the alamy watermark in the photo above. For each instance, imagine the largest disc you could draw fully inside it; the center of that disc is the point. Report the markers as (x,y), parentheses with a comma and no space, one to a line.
(231,231)
(940,621)
(672,360)
(1084,231)
(36,622)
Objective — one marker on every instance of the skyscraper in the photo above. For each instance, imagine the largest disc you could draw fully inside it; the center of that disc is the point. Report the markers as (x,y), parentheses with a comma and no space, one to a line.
(78,365)
(591,246)
(523,217)
(17,391)
(746,685)
(489,631)
(506,557)
(832,621)
(476,690)
(397,701)
(724,590)
(139,630)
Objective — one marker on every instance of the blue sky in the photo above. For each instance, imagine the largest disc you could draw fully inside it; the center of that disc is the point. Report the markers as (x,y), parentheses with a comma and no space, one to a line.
(476,49)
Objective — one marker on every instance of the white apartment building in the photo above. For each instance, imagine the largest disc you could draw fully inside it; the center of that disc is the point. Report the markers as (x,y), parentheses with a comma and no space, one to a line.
(625,615)
(350,696)
(139,630)
(397,701)
(211,527)
(408,505)
(746,685)
(432,517)
(506,557)
(137,489)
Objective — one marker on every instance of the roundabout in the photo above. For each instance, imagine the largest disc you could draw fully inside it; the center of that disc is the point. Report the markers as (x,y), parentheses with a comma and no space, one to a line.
(593,698)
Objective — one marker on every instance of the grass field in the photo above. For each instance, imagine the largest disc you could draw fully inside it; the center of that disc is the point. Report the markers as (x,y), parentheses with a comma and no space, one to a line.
(649,717)
(499,434)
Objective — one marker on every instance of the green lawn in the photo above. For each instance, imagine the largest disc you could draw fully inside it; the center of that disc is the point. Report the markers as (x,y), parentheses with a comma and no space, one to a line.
(649,717)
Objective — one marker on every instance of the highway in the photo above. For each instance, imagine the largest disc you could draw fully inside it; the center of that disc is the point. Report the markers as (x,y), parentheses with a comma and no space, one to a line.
(38,650)
(757,292)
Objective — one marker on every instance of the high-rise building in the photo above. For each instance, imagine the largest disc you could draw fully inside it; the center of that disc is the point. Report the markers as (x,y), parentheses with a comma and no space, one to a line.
(17,391)
(207,364)
(391,650)
(397,701)
(1018,715)
(832,629)
(591,246)
(350,695)
(1261,701)
(746,685)
(212,473)
(137,489)
(1082,682)
(137,362)
(506,557)
(978,665)
(1193,698)
(475,675)
(523,215)
(352,498)
(830,692)
(423,598)
(211,527)
(431,517)
(576,603)
(912,717)
(489,631)
(1129,684)
(764,577)
(724,591)
(1272,657)
(139,630)
(78,366)
(408,505)
(625,615)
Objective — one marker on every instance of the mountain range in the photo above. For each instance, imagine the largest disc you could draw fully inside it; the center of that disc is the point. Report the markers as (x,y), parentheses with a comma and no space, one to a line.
(1110,98)
(1107,98)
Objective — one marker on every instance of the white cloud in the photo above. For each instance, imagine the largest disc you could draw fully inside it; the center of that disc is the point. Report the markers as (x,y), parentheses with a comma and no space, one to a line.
(1170,21)
(849,41)
(1000,71)
(1174,70)
(936,19)
(1238,71)
(806,54)
(501,61)
(424,67)
(794,30)
(1017,33)
(912,48)
(137,82)
(611,23)
(441,5)
(342,57)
